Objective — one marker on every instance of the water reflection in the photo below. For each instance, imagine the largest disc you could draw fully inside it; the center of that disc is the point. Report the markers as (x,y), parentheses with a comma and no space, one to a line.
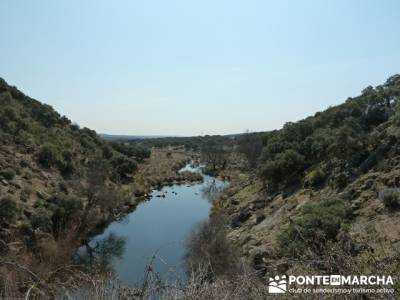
(101,251)
(212,189)
(159,226)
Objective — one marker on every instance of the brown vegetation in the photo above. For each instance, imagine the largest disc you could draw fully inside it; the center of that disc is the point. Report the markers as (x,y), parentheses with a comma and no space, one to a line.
(162,169)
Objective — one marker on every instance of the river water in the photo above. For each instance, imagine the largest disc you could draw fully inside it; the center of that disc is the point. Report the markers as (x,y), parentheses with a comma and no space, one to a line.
(158,226)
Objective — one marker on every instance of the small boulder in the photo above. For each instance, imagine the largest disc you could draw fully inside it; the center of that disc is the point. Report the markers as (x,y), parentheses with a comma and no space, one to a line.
(240,218)
(258,262)
(260,217)
(41,195)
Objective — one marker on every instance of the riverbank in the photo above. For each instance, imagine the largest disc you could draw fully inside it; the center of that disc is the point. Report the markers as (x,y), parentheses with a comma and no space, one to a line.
(257,221)
(154,173)
(112,201)
(157,226)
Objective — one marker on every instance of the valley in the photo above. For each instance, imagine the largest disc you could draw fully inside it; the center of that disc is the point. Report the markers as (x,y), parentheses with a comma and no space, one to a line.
(320,195)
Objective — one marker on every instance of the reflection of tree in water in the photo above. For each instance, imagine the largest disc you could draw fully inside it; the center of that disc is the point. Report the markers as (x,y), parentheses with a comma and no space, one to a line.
(100,252)
(211,190)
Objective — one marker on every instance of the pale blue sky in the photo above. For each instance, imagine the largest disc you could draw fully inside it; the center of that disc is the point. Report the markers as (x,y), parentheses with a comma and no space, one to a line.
(192,67)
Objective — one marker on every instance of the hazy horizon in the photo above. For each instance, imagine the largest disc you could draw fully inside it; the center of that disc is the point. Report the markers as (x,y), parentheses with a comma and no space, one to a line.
(192,68)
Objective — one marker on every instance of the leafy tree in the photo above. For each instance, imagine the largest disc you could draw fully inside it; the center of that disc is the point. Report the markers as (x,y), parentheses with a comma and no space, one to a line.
(285,168)
(376,114)
(123,167)
(48,155)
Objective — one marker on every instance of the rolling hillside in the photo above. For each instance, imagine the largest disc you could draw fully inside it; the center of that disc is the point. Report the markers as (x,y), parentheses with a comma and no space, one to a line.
(323,188)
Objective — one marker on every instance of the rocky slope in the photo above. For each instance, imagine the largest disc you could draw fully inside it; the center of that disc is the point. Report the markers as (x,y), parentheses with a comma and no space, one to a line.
(45,161)
(341,198)
(59,183)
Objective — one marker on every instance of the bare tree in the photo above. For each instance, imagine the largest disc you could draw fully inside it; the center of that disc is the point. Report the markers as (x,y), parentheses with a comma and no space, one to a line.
(214,154)
(250,145)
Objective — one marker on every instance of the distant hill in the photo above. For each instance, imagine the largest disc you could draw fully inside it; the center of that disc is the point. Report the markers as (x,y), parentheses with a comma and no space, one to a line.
(122,137)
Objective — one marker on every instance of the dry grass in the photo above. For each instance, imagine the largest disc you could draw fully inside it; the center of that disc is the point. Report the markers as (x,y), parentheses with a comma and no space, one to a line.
(161,169)
(70,281)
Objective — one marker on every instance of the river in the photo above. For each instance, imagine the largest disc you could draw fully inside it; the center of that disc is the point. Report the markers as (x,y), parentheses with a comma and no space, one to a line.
(158,226)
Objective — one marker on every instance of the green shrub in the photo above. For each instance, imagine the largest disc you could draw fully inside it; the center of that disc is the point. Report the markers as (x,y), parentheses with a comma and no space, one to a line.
(66,164)
(24,163)
(8,209)
(317,224)
(134,151)
(25,228)
(41,218)
(8,173)
(10,113)
(66,167)
(339,181)
(25,193)
(316,177)
(123,166)
(64,208)
(391,198)
(286,167)
(63,186)
(45,114)
(48,155)
(107,151)
(26,140)
(28,175)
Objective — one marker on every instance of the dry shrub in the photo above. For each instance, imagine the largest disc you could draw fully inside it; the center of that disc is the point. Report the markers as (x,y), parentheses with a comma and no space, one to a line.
(209,248)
